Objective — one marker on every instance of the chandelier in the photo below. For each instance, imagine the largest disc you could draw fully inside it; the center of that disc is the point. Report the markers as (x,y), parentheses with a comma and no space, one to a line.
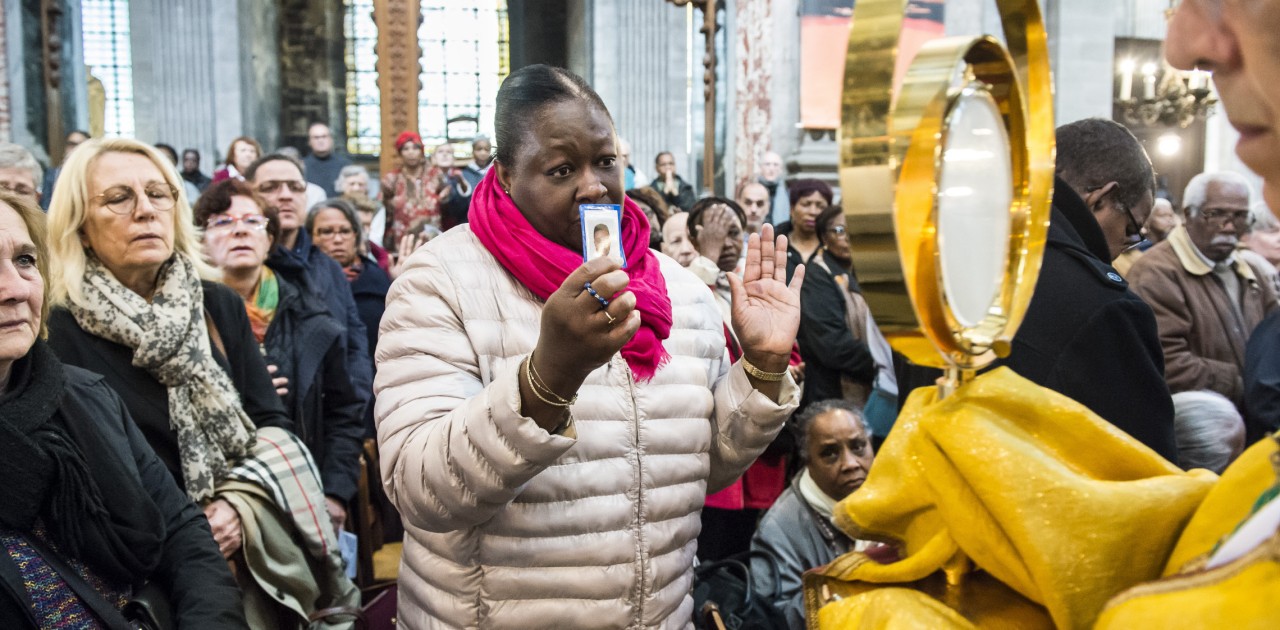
(1166,96)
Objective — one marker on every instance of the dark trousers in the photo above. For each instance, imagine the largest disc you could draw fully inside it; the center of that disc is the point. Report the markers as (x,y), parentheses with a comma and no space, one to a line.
(726,532)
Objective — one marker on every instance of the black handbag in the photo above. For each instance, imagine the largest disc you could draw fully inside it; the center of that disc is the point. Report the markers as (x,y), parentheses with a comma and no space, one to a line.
(149,609)
(724,596)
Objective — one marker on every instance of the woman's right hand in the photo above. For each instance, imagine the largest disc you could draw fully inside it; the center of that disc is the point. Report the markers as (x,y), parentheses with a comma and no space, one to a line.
(225,523)
(577,336)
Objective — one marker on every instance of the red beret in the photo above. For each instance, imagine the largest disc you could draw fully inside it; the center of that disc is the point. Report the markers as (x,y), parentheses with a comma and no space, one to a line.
(406,137)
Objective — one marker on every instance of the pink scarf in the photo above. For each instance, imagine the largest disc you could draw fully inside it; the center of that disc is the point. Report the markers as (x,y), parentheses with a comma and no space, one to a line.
(542,266)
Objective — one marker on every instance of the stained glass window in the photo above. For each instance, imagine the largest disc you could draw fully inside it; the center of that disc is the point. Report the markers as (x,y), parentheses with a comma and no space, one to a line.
(364,120)
(110,59)
(465,56)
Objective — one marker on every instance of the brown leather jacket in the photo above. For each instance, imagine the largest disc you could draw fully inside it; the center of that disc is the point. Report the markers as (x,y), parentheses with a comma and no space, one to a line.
(1202,336)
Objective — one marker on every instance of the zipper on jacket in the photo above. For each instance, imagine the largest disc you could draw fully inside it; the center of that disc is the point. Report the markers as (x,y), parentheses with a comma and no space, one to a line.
(635,420)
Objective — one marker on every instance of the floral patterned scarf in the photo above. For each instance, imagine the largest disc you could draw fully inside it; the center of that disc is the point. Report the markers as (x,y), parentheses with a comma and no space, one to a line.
(170,340)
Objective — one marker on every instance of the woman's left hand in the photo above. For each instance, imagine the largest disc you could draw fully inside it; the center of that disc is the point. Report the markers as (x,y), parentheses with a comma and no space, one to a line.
(224,522)
(766,310)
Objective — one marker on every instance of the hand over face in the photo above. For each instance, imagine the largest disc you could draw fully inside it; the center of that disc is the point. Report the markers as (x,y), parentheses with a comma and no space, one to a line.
(711,234)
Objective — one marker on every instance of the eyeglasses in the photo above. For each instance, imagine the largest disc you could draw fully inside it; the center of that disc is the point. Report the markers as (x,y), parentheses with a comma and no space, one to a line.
(1219,215)
(1135,228)
(294,185)
(328,232)
(838,230)
(124,200)
(255,222)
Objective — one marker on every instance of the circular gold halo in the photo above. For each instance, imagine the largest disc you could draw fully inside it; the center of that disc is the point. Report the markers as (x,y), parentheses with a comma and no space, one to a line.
(890,163)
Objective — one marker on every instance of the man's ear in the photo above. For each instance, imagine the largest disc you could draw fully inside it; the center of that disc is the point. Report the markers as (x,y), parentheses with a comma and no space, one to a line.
(1093,198)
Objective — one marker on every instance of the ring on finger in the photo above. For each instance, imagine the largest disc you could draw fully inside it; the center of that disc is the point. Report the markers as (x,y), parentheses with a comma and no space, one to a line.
(603,302)
(612,319)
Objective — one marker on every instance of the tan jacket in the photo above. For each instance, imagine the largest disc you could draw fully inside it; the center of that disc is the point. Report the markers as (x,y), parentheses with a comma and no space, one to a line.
(1202,336)
(508,526)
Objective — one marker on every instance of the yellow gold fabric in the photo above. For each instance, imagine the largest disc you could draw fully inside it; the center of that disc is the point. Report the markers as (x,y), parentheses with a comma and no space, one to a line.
(1226,506)
(1033,487)
(891,609)
(1240,595)
(978,599)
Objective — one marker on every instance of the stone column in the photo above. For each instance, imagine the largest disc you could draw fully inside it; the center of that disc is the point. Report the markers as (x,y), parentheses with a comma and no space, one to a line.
(204,73)
(753,49)
(649,76)
(1082,52)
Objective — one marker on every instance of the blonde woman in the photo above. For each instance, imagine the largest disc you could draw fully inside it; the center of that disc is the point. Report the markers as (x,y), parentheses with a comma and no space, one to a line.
(133,301)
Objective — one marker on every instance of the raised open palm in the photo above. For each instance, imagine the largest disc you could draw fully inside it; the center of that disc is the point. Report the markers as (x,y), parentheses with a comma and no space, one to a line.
(766,311)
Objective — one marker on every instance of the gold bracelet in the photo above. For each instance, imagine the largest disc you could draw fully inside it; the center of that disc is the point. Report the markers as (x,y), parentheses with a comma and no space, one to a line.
(536,379)
(563,404)
(771,377)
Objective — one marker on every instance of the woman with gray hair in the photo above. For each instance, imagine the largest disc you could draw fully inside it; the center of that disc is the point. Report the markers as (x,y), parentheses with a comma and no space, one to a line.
(352,180)
(20,173)
(797,533)
(1209,429)
(335,228)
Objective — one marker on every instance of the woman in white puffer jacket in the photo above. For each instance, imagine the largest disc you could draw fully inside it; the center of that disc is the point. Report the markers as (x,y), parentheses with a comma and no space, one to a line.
(548,428)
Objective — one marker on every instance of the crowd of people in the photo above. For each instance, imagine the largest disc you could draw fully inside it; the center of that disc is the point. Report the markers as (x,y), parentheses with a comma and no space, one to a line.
(191,365)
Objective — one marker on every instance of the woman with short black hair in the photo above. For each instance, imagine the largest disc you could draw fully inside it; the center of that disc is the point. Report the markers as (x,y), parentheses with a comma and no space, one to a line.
(549,428)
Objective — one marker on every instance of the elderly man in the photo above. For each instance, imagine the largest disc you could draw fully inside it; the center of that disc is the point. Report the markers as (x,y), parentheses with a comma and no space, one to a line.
(1086,335)
(324,162)
(1207,299)
(20,173)
(754,199)
(771,177)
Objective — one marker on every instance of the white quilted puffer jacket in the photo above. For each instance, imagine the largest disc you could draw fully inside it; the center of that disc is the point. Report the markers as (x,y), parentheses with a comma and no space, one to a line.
(508,526)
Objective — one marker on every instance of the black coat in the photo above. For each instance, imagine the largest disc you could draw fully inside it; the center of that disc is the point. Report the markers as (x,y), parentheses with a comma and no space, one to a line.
(309,347)
(1262,380)
(1086,335)
(201,589)
(306,265)
(147,399)
(370,292)
(828,347)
